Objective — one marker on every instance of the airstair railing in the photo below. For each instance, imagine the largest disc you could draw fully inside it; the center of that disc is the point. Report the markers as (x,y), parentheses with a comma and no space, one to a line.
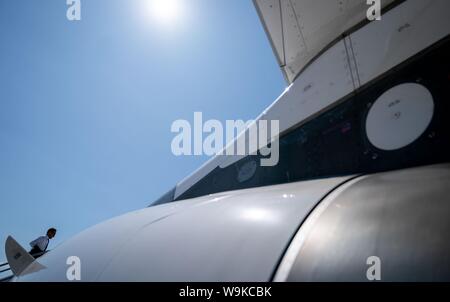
(4,267)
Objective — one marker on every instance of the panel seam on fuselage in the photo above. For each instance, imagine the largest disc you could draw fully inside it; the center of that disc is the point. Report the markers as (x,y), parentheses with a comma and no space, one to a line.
(297,230)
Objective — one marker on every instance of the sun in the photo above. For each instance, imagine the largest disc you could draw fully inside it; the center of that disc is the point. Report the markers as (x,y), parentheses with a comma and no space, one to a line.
(165,12)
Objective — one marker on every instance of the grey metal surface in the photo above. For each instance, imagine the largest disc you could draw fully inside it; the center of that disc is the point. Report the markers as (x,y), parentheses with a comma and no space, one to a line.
(401,217)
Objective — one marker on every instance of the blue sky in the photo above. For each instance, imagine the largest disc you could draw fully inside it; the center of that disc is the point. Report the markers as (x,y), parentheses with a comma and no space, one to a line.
(86,107)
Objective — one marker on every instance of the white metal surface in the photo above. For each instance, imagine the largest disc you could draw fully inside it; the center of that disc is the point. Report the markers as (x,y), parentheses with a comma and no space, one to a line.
(372,50)
(403,32)
(237,236)
(97,245)
(300,29)
(325,81)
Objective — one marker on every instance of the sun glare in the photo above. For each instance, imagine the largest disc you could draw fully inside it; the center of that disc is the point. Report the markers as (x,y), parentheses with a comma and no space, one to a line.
(165,12)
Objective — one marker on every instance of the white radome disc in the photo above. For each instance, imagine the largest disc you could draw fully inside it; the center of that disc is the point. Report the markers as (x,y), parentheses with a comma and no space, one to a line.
(399,116)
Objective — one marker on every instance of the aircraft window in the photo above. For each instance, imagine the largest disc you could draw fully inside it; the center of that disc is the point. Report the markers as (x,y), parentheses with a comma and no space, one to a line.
(353,138)
(246,171)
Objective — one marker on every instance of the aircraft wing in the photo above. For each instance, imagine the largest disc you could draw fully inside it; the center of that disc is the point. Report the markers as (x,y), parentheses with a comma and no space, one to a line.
(300,29)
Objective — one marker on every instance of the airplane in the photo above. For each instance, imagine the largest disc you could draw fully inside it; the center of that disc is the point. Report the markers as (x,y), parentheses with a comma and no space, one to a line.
(362,188)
